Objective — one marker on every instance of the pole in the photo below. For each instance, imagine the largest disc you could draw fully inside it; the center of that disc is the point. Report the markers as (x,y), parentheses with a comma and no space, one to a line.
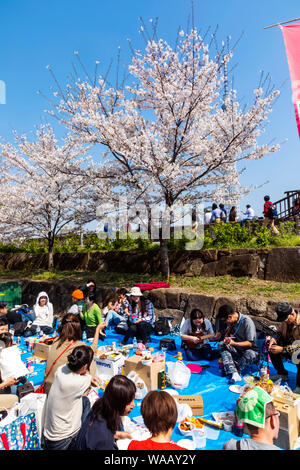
(278,24)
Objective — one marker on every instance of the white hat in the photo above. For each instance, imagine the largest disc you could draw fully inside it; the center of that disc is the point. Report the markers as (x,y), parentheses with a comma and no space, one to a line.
(135,291)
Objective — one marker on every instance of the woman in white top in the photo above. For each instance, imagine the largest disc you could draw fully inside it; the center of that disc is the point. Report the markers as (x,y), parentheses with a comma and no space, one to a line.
(196,333)
(43,316)
(66,407)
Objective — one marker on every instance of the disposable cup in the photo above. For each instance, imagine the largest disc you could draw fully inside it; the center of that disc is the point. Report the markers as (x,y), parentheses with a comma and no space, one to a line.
(227,426)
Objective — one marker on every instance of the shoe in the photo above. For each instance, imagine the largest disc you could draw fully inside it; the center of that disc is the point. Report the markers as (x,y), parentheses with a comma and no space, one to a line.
(283,377)
(28,324)
(297,390)
(235,378)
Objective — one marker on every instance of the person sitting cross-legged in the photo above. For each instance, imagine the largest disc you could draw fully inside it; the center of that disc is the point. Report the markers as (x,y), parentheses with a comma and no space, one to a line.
(119,310)
(256,410)
(238,347)
(289,332)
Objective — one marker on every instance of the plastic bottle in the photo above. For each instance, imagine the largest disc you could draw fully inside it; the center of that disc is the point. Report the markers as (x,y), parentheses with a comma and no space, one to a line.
(38,330)
(134,343)
(238,428)
(84,336)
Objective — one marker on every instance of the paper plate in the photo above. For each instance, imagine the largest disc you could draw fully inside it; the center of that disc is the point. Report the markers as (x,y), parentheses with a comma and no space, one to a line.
(171,391)
(236,388)
(186,444)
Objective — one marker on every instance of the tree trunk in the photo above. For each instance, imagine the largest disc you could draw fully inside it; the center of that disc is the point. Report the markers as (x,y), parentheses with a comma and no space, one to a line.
(50,253)
(164,259)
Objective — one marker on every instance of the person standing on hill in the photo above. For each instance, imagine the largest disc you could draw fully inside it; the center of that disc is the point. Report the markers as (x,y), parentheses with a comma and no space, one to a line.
(269,216)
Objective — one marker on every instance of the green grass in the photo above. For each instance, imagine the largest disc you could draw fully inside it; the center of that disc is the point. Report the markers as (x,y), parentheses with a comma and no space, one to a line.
(222,285)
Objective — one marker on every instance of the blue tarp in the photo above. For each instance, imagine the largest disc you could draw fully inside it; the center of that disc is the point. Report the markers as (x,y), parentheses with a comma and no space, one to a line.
(210,384)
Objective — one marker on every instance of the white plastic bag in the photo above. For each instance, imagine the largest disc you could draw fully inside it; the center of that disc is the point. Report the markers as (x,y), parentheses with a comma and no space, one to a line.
(179,375)
(11,364)
(13,414)
(34,403)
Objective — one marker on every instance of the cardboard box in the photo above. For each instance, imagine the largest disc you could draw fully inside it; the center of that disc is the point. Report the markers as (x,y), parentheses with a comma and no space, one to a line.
(41,350)
(194,401)
(288,426)
(148,373)
(107,368)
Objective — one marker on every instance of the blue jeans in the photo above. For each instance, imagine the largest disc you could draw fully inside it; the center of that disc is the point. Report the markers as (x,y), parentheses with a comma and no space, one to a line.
(65,444)
(113,318)
(47,330)
(196,354)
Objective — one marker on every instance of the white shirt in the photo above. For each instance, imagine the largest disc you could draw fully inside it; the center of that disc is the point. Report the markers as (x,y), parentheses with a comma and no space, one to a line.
(64,404)
(43,315)
(207,217)
(249,213)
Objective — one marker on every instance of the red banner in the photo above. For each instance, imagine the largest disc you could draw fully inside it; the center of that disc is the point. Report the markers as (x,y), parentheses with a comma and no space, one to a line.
(291,35)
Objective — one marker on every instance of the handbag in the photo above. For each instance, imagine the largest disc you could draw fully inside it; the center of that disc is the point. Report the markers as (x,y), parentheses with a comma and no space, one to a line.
(24,389)
(21,434)
(41,388)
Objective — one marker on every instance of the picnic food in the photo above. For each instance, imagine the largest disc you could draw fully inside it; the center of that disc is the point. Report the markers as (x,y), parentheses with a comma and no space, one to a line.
(185,423)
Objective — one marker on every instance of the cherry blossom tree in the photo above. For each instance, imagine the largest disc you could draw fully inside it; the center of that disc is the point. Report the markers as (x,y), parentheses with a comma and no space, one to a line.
(43,188)
(171,135)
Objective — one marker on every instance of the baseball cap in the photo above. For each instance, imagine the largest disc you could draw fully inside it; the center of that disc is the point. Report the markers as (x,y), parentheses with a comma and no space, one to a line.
(283,310)
(251,407)
(77,294)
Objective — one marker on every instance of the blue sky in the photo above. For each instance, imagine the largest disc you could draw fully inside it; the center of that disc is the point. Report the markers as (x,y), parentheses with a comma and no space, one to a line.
(36,33)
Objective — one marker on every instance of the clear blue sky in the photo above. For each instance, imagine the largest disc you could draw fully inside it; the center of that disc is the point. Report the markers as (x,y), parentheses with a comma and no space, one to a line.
(35,33)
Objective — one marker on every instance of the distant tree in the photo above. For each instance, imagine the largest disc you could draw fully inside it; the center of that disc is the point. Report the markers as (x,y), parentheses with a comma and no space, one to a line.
(42,188)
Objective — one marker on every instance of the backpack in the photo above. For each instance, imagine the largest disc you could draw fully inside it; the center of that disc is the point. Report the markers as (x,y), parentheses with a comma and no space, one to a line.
(162,327)
(272,212)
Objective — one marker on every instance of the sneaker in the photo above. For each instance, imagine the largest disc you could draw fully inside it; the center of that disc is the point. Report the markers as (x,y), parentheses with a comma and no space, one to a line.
(235,378)
(283,377)
(297,390)
(28,325)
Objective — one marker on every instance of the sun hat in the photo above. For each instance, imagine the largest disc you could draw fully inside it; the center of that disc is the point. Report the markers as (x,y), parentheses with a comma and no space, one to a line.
(135,291)
(77,294)
(283,310)
(251,407)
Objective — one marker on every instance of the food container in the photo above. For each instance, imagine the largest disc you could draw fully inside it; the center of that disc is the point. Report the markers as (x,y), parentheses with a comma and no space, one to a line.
(190,428)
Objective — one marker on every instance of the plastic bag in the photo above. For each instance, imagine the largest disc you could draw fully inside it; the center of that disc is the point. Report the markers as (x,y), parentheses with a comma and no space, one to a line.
(34,403)
(11,364)
(141,389)
(179,375)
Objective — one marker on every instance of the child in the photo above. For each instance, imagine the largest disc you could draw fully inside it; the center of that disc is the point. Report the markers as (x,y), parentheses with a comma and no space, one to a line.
(159,412)
(11,365)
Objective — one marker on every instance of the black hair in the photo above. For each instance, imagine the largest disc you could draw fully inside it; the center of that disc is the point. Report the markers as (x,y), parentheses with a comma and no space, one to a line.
(267,198)
(248,205)
(119,392)
(225,311)
(214,206)
(122,291)
(79,357)
(3,322)
(221,206)
(91,296)
(196,313)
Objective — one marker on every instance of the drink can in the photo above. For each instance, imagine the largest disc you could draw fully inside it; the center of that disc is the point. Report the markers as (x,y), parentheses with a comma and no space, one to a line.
(18,340)
(28,364)
(221,365)
(114,346)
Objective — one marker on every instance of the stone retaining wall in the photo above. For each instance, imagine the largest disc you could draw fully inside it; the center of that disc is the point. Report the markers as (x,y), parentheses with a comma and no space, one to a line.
(278,264)
(173,301)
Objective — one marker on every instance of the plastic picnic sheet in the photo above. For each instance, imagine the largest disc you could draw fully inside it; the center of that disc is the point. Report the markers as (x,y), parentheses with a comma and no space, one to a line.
(210,384)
